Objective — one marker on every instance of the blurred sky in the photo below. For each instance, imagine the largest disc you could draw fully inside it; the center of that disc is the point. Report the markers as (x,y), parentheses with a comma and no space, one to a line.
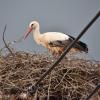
(68,16)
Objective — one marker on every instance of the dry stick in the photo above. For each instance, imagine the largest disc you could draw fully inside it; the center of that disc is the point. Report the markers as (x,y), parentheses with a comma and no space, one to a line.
(13,42)
(94,91)
(49,86)
(61,80)
(3,37)
(33,88)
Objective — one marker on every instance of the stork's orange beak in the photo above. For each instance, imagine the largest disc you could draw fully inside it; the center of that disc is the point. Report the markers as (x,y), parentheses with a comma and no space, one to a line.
(27,33)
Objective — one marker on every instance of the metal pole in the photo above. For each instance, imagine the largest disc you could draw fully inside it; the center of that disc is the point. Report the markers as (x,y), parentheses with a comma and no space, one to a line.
(33,88)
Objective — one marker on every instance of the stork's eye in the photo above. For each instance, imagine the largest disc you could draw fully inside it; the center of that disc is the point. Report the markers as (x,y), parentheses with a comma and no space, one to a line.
(32,25)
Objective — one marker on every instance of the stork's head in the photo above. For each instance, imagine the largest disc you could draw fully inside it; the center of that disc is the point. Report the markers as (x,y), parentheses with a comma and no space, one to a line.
(34,25)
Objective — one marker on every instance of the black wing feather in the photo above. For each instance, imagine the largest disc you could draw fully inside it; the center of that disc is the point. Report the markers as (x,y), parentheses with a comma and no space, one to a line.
(79,45)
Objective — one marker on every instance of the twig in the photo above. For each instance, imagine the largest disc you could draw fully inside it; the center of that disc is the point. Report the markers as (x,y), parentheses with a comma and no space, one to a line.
(3,37)
(13,42)
(61,80)
(48,98)
(94,91)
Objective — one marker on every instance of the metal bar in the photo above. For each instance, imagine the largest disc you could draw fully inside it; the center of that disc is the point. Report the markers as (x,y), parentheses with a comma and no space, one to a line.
(94,91)
(33,88)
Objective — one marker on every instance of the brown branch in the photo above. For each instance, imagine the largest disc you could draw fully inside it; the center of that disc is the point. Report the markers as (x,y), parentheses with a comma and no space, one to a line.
(3,37)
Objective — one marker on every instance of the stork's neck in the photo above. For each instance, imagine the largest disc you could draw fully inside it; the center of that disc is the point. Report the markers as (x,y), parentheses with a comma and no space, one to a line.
(37,35)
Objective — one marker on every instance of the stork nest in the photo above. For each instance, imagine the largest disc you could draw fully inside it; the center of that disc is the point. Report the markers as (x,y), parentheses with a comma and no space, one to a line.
(73,79)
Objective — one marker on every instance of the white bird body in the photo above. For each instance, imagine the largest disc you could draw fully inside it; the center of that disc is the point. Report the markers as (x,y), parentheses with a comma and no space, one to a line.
(54,41)
(49,37)
(53,36)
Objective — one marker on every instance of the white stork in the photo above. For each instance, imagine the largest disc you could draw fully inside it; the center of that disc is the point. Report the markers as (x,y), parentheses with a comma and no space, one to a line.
(54,41)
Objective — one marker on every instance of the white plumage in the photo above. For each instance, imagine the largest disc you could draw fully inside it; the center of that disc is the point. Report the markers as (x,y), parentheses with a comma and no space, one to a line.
(53,36)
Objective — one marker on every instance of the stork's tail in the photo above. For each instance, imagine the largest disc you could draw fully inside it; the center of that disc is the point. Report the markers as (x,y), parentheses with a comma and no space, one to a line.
(82,46)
